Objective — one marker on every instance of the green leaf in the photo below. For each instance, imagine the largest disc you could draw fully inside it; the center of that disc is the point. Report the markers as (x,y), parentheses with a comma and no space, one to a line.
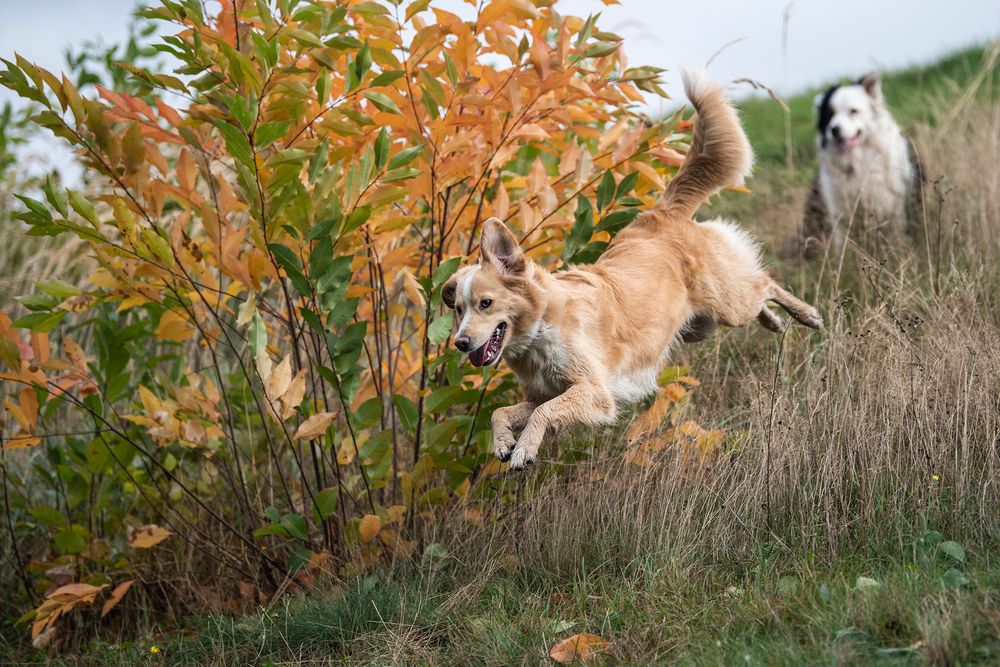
(57,288)
(70,541)
(273,529)
(368,413)
(358,217)
(403,174)
(405,156)
(953,550)
(382,102)
(954,579)
(56,198)
(381,148)
(40,322)
(296,526)
(601,49)
(615,220)
(387,77)
(407,412)
(627,184)
(362,63)
(326,502)
(236,143)
(606,190)
(440,329)
(444,271)
(268,133)
(83,207)
(49,517)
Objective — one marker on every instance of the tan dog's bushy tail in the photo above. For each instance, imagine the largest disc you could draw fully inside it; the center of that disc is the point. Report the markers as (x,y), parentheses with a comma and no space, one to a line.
(720,154)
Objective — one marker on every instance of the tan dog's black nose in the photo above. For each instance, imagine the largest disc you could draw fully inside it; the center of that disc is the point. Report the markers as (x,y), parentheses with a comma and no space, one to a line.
(463,343)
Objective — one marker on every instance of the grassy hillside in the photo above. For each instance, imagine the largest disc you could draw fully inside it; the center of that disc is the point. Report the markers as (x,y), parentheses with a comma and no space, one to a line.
(849,516)
(918,94)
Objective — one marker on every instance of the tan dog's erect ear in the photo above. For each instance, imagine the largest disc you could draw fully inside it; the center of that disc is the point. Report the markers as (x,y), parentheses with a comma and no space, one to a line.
(499,248)
(448,292)
(872,84)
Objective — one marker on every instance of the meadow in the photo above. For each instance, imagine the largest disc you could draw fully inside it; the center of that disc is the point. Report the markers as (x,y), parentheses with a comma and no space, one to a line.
(809,498)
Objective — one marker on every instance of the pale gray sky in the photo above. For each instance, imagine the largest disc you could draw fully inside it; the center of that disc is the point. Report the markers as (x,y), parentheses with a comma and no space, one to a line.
(827,39)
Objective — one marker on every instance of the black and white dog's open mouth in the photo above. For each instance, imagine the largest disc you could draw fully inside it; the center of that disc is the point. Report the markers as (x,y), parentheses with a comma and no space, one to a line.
(489,352)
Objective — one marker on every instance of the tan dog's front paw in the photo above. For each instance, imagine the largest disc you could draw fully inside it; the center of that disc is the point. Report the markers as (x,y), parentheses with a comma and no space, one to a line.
(521,458)
(503,444)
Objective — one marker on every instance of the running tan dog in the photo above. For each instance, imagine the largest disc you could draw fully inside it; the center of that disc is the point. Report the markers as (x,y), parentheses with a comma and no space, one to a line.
(586,340)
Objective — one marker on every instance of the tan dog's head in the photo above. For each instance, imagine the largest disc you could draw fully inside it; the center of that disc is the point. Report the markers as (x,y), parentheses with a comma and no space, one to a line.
(493,300)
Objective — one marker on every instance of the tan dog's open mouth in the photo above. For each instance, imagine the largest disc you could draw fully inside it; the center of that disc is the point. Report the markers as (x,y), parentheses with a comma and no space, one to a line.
(489,352)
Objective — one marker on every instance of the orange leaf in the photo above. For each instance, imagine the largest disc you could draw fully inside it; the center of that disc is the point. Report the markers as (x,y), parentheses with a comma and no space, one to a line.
(75,354)
(584,647)
(116,596)
(369,527)
(315,426)
(21,440)
(173,327)
(145,537)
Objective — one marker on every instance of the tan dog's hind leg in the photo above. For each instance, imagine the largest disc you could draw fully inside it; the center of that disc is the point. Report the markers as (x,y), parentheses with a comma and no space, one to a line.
(586,403)
(771,321)
(800,310)
(505,422)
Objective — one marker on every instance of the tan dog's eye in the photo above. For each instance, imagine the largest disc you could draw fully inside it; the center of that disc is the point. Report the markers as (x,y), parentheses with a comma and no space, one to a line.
(485,303)
(459,311)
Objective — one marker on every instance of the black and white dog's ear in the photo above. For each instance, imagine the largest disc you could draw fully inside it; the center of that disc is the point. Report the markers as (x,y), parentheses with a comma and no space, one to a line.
(499,248)
(872,85)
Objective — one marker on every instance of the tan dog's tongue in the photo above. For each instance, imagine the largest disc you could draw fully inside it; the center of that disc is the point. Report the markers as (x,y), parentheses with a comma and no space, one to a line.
(477,356)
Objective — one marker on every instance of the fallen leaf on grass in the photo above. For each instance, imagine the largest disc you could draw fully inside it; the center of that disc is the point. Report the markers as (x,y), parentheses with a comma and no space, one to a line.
(583,646)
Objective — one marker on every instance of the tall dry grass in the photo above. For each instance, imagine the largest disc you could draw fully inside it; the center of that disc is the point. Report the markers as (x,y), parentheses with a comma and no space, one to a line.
(854,440)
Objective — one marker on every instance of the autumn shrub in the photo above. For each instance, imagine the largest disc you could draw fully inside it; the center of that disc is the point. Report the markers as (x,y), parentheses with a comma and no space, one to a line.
(253,385)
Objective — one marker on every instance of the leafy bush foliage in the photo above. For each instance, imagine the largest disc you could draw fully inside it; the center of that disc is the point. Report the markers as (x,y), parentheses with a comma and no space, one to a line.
(255,383)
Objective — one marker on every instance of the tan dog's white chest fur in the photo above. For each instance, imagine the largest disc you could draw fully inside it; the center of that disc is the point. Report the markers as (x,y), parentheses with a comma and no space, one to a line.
(587,341)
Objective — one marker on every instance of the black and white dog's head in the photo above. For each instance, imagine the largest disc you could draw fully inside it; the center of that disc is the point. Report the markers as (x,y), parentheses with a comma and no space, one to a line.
(849,114)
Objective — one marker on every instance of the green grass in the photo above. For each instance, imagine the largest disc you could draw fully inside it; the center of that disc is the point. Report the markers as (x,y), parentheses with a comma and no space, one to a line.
(778,610)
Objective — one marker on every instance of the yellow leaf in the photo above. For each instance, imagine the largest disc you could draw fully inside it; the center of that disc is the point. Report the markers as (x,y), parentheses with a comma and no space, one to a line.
(584,647)
(413,289)
(145,537)
(315,426)
(75,354)
(116,596)
(346,451)
(173,327)
(395,513)
(17,413)
(279,379)
(293,395)
(369,527)
(78,303)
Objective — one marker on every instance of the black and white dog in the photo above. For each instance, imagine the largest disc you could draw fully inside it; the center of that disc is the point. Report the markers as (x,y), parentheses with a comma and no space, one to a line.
(868,171)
